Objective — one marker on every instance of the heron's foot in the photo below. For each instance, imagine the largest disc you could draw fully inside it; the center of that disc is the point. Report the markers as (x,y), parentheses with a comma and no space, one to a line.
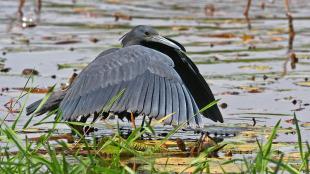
(88,130)
(77,130)
(132,120)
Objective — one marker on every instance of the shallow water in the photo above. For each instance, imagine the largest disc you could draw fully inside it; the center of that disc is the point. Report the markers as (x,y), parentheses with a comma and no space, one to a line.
(228,65)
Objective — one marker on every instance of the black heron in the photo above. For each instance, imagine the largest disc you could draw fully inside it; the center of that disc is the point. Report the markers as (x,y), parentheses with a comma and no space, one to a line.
(157,76)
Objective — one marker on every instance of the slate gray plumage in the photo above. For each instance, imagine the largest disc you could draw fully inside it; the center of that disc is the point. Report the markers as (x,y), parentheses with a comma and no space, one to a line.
(151,84)
(157,76)
(52,103)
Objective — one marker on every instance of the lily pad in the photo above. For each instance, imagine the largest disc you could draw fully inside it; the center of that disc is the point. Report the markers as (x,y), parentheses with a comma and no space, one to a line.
(72,65)
(247,38)
(33,130)
(305,84)
(180,164)
(2,60)
(307,125)
(252,89)
(34,90)
(241,148)
(256,67)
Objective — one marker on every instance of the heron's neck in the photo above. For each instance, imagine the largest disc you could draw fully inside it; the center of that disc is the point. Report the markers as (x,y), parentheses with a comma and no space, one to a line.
(161,48)
(131,42)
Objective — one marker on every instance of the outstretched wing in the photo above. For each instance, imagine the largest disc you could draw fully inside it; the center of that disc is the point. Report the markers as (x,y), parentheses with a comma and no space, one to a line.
(192,78)
(54,100)
(152,87)
(198,87)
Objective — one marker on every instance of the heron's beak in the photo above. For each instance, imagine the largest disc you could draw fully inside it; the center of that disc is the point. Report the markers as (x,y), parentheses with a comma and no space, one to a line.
(162,40)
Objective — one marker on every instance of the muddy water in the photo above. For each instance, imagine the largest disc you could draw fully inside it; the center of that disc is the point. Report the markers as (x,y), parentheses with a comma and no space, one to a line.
(220,45)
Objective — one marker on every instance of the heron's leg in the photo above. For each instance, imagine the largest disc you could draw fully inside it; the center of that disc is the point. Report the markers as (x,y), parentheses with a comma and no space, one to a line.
(80,128)
(89,129)
(142,125)
(143,120)
(150,121)
(132,120)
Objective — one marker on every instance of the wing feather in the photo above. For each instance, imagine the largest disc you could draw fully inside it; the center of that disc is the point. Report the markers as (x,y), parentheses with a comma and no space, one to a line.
(134,100)
(162,98)
(175,104)
(143,93)
(152,86)
(155,99)
(182,105)
(189,104)
(168,101)
(148,98)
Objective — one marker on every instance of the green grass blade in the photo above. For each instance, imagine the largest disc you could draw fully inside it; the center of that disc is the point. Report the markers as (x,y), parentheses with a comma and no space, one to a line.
(286,167)
(300,146)
(22,108)
(40,106)
(19,97)
(261,164)
(172,132)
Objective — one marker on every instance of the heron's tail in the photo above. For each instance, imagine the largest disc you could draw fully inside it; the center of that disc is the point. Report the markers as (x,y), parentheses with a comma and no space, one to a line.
(32,107)
(51,103)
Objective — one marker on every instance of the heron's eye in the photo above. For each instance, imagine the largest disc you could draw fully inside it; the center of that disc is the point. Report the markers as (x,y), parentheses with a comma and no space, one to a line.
(147,33)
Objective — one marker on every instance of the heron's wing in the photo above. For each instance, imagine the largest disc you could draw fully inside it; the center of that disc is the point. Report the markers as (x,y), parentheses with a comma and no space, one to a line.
(54,100)
(191,77)
(197,85)
(152,87)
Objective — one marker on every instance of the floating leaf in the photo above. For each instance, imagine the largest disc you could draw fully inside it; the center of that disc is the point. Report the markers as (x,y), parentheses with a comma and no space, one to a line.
(305,84)
(120,15)
(52,38)
(63,42)
(209,10)
(72,65)
(29,71)
(307,124)
(278,38)
(180,28)
(94,39)
(241,148)
(303,56)
(222,35)
(291,157)
(33,130)
(2,59)
(250,134)
(290,121)
(277,31)
(81,9)
(256,67)
(34,90)
(252,89)
(168,143)
(247,38)
(5,70)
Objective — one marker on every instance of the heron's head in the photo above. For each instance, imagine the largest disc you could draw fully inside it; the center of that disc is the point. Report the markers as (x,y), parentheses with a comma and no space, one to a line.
(142,33)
